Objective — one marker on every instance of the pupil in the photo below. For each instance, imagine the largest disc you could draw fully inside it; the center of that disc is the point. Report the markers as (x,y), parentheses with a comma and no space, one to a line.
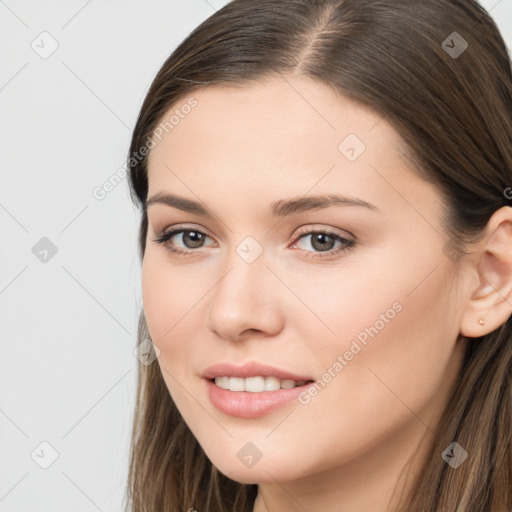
(320,239)
(195,237)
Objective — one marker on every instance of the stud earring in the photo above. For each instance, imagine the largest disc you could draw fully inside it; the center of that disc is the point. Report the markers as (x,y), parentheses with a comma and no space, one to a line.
(481,321)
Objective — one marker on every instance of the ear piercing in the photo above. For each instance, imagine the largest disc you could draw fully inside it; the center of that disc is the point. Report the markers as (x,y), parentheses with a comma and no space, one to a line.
(481,321)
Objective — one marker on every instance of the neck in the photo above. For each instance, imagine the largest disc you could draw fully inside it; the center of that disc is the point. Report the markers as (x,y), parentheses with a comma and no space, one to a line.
(376,481)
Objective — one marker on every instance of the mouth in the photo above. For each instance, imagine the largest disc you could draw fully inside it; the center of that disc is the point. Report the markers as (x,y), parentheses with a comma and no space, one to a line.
(253,397)
(254,389)
(257,384)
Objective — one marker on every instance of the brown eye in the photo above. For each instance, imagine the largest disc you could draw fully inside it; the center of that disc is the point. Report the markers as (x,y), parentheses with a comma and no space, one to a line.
(190,239)
(324,242)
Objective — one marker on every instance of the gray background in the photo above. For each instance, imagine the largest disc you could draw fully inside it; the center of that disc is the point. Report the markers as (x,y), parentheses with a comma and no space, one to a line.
(68,329)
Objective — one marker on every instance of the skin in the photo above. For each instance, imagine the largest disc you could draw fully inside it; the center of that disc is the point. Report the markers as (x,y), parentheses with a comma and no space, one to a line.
(239,150)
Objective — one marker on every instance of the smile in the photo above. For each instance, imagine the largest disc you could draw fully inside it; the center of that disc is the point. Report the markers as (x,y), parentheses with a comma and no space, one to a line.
(255,403)
(256,384)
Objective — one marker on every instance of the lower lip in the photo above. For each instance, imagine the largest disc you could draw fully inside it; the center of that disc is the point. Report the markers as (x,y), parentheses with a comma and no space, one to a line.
(245,404)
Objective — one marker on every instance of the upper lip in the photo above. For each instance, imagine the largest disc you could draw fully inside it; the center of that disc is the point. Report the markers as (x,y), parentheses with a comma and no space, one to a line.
(250,369)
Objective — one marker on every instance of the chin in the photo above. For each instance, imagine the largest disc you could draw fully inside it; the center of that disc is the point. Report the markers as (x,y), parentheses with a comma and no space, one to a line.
(266,469)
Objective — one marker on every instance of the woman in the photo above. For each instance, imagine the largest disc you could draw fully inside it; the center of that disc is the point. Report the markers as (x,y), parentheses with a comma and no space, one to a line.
(326,245)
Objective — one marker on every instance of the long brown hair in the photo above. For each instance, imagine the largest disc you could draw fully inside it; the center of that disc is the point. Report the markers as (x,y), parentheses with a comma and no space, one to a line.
(449,96)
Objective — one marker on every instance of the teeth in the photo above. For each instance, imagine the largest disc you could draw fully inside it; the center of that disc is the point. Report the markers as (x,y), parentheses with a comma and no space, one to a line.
(287,384)
(256,384)
(236,384)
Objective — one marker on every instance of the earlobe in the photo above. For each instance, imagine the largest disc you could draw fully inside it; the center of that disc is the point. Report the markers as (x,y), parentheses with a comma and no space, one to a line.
(490,303)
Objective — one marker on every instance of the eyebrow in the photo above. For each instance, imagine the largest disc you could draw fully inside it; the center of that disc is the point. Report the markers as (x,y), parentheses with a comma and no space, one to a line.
(279,208)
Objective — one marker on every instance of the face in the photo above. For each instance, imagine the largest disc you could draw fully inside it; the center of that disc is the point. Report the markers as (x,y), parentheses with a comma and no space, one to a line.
(357,296)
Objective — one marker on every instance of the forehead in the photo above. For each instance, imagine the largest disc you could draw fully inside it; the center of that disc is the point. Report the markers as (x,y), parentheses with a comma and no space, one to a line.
(277,138)
(292,115)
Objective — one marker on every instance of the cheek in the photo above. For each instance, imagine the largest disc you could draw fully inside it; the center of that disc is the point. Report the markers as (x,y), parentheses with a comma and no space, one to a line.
(393,331)
(156,294)
(396,347)
(168,295)
(168,299)
(165,312)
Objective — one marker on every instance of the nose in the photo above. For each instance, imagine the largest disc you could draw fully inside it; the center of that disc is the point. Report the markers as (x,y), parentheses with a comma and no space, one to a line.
(245,301)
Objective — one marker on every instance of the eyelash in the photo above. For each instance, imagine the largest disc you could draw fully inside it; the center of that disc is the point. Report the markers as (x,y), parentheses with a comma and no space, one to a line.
(164,237)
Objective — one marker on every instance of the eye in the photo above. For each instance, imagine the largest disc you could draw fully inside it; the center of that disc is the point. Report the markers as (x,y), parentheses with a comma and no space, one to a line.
(191,238)
(324,241)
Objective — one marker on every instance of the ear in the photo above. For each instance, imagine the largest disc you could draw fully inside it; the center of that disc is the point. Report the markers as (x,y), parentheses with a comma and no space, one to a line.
(491,299)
